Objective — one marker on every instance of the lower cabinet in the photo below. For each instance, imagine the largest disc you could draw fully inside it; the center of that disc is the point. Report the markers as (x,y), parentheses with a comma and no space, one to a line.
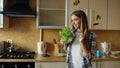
(110,64)
(50,65)
(107,64)
(17,65)
(63,64)
(94,65)
(55,65)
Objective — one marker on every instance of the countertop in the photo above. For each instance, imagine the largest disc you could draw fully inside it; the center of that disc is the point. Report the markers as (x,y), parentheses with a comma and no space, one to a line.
(40,58)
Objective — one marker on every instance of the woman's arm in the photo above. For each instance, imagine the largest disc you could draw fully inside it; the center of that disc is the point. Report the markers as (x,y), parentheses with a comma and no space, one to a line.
(83,43)
(85,50)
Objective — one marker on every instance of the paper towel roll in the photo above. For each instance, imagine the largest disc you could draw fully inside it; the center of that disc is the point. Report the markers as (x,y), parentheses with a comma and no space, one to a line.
(40,45)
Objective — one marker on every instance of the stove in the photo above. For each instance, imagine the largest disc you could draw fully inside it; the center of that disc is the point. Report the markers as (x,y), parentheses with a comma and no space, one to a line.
(18,55)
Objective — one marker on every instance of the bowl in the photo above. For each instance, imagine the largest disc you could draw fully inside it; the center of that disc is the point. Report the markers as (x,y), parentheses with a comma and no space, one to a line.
(115,52)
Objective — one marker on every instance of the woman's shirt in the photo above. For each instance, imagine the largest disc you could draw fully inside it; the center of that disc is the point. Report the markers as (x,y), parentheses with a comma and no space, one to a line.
(74,52)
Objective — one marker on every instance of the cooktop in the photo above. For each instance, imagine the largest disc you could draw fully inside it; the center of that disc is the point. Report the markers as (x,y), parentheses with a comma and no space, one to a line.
(18,55)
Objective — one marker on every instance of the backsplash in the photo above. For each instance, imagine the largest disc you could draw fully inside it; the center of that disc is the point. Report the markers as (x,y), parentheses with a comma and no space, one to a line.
(22,31)
(25,34)
(111,36)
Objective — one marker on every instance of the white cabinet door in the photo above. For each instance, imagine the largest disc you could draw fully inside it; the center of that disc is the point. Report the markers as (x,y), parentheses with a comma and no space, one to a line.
(93,9)
(114,14)
(1,15)
(82,5)
(110,64)
(55,65)
(50,65)
(98,14)
(94,65)
(1,20)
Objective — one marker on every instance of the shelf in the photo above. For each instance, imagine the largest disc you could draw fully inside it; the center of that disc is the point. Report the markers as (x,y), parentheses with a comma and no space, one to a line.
(52,9)
(51,27)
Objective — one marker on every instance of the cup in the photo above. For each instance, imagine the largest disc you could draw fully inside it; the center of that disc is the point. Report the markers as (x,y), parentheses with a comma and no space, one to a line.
(40,46)
(98,54)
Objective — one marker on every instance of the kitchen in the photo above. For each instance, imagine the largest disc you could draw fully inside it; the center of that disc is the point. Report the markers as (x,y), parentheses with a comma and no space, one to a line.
(23,31)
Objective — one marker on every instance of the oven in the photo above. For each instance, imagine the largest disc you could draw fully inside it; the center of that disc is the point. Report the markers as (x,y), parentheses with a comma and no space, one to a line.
(17,55)
(17,64)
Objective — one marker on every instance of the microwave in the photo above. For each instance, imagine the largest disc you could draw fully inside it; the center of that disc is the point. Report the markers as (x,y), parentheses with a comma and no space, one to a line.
(1,47)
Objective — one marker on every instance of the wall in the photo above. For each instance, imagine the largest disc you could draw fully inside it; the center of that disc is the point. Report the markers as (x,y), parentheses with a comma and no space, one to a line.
(23,31)
(25,34)
(111,36)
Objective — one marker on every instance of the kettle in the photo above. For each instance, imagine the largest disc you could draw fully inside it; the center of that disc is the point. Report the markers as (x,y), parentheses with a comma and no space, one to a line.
(106,47)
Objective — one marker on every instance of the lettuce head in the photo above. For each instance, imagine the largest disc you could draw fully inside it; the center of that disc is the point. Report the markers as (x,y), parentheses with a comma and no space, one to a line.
(66,35)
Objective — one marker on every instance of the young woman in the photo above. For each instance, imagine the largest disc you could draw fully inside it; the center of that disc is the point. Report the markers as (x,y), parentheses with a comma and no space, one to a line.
(78,51)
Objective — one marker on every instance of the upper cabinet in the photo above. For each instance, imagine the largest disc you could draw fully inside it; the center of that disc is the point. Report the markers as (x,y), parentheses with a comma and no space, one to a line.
(1,15)
(1,21)
(102,14)
(114,14)
(75,5)
(96,11)
(52,14)
(97,14)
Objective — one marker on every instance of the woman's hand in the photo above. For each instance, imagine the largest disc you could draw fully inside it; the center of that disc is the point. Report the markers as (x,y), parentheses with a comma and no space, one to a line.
(82,35)
(83,43)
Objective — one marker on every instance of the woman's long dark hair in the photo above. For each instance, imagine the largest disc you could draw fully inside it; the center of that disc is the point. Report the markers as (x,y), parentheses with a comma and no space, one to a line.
(84,25)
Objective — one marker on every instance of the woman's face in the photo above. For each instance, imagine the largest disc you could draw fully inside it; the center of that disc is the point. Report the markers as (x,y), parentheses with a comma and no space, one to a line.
(76,21)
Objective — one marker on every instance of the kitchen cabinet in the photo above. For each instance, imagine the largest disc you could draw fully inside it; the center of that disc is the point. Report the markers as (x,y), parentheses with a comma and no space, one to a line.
(52,14)
(113,14)
(96,11)
(1,15)
(94,65)
(108,64)
(50,65)
(97,14)
(1,20)
(102,14)
(82,5)
(55,65)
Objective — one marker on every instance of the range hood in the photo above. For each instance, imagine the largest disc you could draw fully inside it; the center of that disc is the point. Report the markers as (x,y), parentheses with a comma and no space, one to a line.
(21,8)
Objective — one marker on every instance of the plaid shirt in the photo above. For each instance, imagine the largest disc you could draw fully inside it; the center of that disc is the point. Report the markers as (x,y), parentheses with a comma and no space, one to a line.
(86,63)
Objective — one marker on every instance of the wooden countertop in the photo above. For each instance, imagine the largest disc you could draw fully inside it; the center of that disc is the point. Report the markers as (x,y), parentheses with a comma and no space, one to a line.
(39,58)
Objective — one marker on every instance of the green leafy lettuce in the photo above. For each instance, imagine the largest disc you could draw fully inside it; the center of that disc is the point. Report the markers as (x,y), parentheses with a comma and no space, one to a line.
(66,35)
